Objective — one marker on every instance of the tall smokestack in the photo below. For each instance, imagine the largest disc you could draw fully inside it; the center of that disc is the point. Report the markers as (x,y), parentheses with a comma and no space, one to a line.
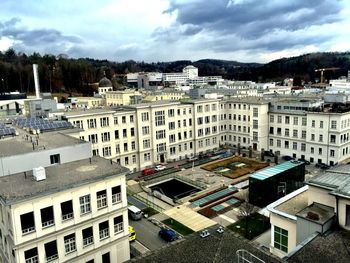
(36,81)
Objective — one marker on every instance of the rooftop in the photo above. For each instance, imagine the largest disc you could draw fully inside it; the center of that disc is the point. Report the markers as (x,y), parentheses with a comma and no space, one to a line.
(214,248)
(330,180)
(333,247)
(324,213)
(22,143)
(248,100)
(274,170)
(87,112)
(295,204)
(17,187)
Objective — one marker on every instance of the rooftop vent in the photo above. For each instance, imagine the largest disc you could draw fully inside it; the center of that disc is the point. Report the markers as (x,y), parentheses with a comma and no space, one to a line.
(39,173)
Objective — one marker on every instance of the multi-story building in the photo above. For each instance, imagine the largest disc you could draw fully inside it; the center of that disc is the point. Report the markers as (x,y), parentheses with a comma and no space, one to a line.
(308,129)
(122,97)
(71,210)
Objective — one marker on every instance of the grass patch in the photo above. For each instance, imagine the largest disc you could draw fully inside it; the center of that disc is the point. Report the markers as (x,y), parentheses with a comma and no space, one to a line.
(149,211)
(251,226)
(177,226)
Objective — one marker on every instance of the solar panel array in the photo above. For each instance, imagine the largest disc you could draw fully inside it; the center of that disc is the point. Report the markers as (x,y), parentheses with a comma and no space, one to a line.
(6,131)
(42,125)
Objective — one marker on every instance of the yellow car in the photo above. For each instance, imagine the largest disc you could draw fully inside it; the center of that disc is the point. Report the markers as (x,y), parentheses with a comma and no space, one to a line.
(132,234)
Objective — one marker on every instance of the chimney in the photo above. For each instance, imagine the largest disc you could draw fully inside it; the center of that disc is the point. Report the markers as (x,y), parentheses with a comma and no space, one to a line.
(36,81)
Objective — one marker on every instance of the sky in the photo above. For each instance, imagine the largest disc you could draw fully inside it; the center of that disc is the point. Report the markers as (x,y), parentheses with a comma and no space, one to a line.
(168,30)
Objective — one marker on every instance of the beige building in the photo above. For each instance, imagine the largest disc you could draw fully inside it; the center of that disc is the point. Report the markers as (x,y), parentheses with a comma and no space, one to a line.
(166,94)
(312,210)
(121,97)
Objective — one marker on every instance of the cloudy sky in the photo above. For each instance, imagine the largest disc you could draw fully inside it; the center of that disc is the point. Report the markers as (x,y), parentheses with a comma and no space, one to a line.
(166,30)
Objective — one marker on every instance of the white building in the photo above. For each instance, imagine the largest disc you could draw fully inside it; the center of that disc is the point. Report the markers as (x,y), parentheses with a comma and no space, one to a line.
(71,210)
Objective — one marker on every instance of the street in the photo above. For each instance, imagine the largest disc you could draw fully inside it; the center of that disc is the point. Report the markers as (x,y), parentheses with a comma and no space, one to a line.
(147,234)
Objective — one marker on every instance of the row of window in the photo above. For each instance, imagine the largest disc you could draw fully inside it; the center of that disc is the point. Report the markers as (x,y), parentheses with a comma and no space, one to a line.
(67,212)
(70,245)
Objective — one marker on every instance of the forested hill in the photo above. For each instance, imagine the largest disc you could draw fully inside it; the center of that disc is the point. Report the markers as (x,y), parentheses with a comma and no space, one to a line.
(73,75)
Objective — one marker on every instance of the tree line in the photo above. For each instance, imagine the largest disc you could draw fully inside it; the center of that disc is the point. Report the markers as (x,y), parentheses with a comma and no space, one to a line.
(63,74)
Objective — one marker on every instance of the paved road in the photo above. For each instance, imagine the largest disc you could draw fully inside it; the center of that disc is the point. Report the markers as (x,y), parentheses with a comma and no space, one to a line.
(132,200)
(147,234)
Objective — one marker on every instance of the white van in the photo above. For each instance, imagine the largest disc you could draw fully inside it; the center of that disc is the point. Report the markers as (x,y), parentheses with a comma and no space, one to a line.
(134,213)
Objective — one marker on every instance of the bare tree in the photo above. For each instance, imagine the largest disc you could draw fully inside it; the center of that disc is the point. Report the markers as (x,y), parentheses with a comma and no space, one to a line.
(246,209)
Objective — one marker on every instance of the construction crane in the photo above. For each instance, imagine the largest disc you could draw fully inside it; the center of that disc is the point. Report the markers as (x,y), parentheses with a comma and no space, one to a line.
(323,70)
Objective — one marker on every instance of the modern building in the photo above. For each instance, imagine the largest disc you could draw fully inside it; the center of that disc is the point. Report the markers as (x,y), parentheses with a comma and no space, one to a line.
(122,97)
(59,203)
(272,183)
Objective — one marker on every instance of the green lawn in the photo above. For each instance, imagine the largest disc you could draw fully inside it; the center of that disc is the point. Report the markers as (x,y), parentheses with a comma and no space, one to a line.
(178,227)
(251,227)
(149,211)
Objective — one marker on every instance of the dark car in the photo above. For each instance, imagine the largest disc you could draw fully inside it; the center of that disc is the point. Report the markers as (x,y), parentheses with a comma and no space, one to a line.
(304,161)
(268,153)
(287,158)
(322,166)
(167,234)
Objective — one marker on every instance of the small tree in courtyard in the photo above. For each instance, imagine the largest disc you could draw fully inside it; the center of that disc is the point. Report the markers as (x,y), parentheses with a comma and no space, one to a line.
(246,210)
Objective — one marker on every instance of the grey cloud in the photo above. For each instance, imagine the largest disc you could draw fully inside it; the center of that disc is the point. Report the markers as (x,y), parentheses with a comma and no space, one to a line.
(36,39)
(226,26)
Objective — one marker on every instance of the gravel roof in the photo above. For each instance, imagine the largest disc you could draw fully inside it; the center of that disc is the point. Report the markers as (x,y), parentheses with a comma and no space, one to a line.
(334,247)
(214,248)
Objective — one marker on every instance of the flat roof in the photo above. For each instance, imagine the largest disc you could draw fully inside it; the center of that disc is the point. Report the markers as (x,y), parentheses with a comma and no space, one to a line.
(22,143)
(154,104)
(274,170)
(324,213)
(332,247)
(87,112)
(329,180)
(295,204)
(18,187)
(248,100)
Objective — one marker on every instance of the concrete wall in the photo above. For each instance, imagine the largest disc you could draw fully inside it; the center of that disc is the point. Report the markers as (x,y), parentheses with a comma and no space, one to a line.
(321,196)
(287,224)
(26,162)
(342,213)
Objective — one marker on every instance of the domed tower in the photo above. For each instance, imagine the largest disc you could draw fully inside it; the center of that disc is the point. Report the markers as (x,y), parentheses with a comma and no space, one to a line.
(104,85)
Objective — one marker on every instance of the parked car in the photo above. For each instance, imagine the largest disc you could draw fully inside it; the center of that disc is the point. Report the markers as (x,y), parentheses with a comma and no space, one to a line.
(287,158)
(322,166)
(305,161)
(192,158)
(269,153)
(134,213)
(204,233)
(147,171)
(220,230)
(167,234)
(160,167)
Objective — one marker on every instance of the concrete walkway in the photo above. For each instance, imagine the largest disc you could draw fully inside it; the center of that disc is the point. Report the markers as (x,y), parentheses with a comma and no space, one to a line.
(189,218)
(264,239)
(155,200)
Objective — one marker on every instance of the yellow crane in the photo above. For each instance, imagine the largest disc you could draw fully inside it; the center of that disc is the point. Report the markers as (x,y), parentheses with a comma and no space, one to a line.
(323,70)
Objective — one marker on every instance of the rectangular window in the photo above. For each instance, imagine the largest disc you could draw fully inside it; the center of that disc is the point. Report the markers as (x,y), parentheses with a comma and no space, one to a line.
(303,134)
(160,118)
(31,255)
(67,210)
(295,133)
(295,120)
(332,153)
(321,124)
(132,131)
(295,146)
(313,123)
(103,230)
(69,243)
(88,236)
(27,223)
(271,142)
(147,144)
(145,130)
(287,120)
(304,121)
(116,194)
(105,136)
(272,118)
(51,252)
(255,112)
(255,124)
(85,206)
(55,159)
(144,116)
(118,224)
(106,258)
(333,138)
(286,132)
(303,147)
(279,119)
(104,121)
(47,217)
(281,239)
(101,199)
(91,123)
(333,124)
